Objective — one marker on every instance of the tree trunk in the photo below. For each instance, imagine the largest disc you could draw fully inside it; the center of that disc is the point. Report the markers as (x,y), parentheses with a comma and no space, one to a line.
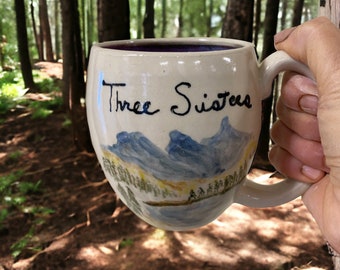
(180,19)
(298,7)
(284,14)
(238,22)
(25,62)
(209,17)
(331,10)
(270,24)
(91,25)
(46,31)
(164,19)
(73,73)
(56,30)
(257,22)
(113,20)
(139,19)
(83,21)
(149,18)
(36,34)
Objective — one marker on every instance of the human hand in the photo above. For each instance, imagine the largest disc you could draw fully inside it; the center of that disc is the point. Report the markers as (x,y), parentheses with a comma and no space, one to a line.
(307,136)
(298,151)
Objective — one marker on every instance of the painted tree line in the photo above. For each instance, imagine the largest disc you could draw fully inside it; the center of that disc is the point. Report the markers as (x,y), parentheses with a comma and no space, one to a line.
(66,29)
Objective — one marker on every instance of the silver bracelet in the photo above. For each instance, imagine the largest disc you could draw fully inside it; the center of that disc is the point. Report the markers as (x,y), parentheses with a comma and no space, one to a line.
(335,257)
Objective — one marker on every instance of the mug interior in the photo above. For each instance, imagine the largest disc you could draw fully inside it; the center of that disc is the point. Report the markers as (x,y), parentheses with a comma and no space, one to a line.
(176,45)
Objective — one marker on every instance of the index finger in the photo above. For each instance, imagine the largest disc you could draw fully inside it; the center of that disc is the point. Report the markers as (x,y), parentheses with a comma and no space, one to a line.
(316,44)
(299,93)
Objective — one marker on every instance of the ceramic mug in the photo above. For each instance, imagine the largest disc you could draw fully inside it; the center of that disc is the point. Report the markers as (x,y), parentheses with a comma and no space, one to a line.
(175,125)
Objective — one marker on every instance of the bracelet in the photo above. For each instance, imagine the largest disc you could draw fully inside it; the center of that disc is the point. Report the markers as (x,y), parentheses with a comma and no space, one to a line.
(335,257)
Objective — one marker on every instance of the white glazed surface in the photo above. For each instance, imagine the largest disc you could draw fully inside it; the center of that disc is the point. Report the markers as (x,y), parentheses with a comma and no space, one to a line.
(165,93)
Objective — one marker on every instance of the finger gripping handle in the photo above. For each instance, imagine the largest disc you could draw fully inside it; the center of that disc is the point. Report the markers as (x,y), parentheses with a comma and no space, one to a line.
(251,193)
(276,63)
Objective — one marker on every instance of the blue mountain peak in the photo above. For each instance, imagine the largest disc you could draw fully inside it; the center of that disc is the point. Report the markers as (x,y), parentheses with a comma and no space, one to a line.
(183,158)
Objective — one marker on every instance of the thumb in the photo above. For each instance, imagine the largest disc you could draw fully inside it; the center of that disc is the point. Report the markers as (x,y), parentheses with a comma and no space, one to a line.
(317,44)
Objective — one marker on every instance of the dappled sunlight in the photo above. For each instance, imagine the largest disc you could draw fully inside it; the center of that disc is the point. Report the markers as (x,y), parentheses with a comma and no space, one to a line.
(156,239)
(268,228)
(266,236)
(197,246)
(94,256)
(157,245)
(105,250)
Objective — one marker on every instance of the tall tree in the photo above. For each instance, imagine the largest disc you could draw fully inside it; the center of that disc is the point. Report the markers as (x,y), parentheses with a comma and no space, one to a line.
(113,20)
(25,62)
(209,16)
(284,14)
(56,29)
(238,22)
(45,30)
(180,19)
(270,25)
(91,24)
(36,33)
(139,18)
(149,19)
(164,18)
(88,24)
(258,9)
(298,7)
(73,72)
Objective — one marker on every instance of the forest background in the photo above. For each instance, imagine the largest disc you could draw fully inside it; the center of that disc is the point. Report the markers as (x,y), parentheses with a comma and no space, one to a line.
(37,33)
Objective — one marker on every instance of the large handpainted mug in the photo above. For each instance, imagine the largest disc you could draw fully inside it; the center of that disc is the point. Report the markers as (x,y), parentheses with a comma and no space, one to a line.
(175,125)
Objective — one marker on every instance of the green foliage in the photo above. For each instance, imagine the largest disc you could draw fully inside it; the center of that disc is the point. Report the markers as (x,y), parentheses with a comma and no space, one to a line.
(40,112)
(125,243)
(7,181)
(12,91)
(29,188)
(45,84)
(42,109)
(67,122)
(8,33)
(18,247)
(14,198)
(194,21)
(11,87)
(14,156)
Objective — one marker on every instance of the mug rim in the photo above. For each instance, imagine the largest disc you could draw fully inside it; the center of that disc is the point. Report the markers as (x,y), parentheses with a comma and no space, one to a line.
(236,44)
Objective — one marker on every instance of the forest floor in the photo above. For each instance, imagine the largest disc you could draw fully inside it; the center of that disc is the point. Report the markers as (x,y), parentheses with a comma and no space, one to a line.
(90,228)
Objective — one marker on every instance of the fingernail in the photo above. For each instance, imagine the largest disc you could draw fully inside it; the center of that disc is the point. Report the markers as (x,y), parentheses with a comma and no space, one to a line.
(283,35)
(311,173)
(309,104)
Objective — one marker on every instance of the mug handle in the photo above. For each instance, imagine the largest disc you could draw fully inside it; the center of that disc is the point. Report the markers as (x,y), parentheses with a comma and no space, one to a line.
(253,194)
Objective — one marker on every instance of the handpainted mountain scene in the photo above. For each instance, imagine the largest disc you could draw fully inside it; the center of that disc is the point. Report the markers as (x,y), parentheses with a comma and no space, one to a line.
(185,172)
(184,158)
